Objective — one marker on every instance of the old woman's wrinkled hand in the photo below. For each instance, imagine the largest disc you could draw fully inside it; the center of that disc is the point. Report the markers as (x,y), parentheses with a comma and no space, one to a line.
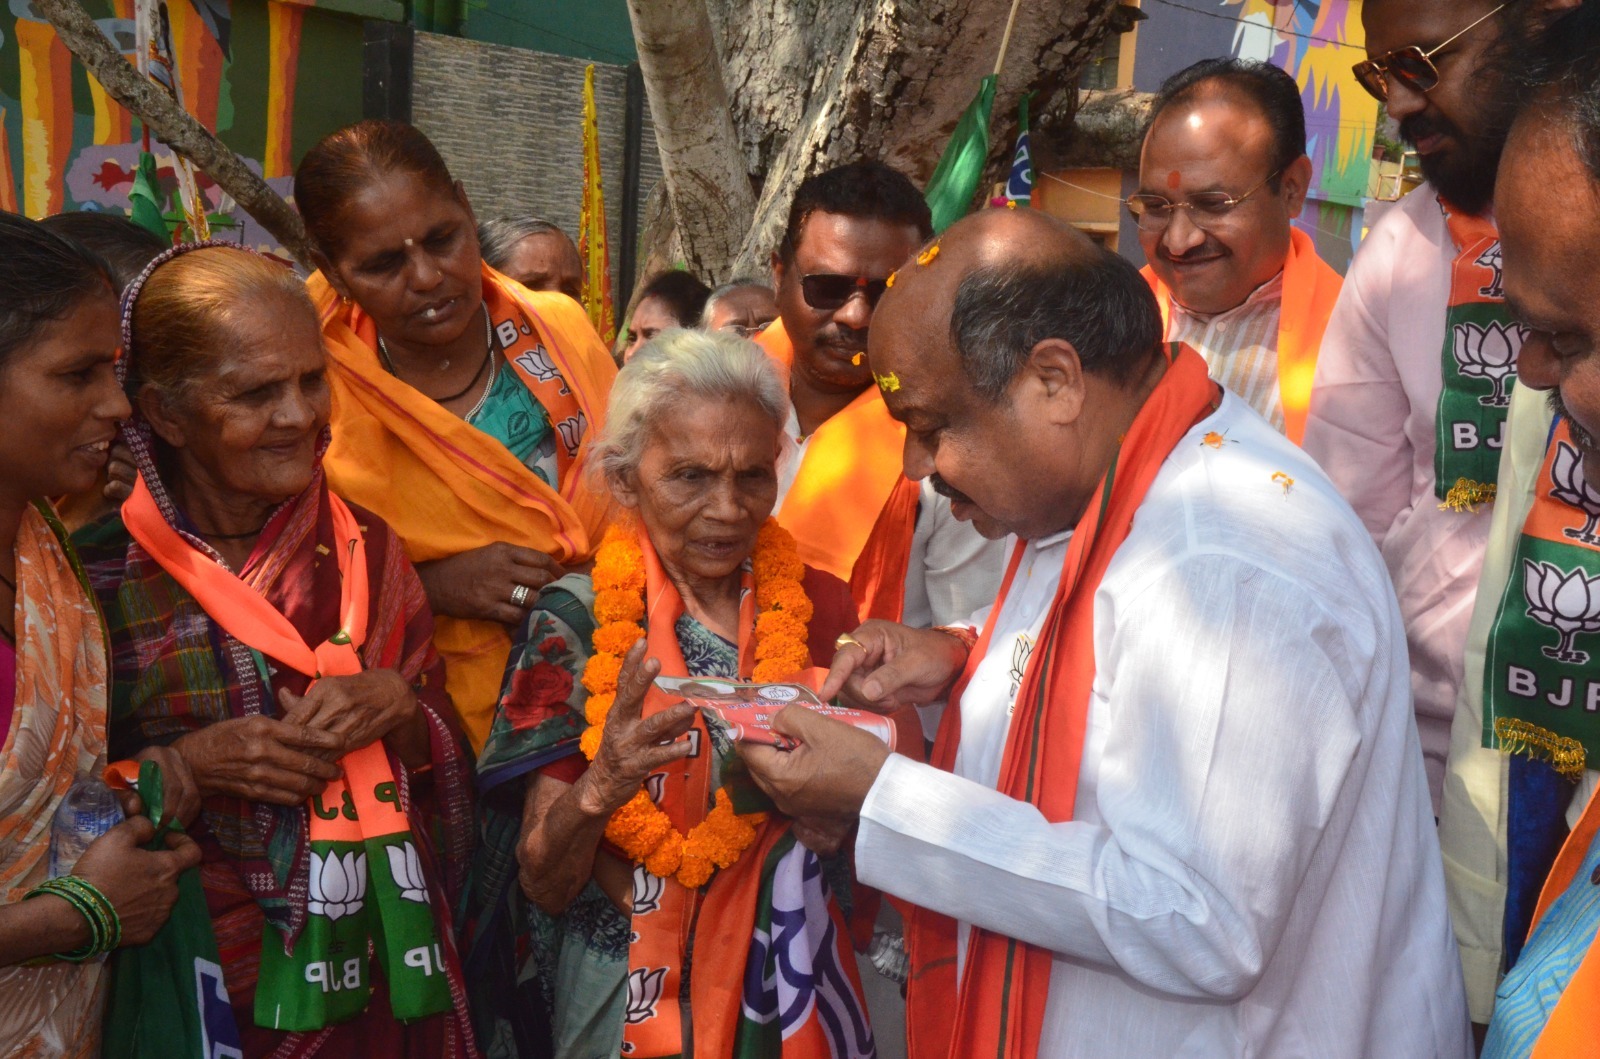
(360,708)
(261,759)
(633,745)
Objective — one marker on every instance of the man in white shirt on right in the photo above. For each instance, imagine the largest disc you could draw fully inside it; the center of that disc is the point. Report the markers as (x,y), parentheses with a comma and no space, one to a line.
(1178,806)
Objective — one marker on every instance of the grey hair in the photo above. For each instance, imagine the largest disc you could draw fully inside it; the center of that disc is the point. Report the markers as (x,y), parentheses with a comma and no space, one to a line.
(726,289)
(498,237)
(679,364)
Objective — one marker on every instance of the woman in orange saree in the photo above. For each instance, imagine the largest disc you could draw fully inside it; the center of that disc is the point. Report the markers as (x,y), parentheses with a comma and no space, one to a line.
(462,401)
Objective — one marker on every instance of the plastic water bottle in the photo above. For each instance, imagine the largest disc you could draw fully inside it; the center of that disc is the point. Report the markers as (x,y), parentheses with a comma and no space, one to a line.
(89,810)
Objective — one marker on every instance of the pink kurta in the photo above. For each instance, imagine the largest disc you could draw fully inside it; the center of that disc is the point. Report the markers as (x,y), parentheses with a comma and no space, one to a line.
(1371,427)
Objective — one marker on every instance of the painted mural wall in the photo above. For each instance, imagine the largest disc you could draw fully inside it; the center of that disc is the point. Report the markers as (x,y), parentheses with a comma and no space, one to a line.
(269,77)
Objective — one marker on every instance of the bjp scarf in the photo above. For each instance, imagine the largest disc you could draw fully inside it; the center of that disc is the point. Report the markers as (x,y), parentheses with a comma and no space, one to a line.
(804,958)
(1481,344)
(1574,1024)
(997,1007)
(445,486)
(1310,287)
(360,836)
(851,507)
(58,733)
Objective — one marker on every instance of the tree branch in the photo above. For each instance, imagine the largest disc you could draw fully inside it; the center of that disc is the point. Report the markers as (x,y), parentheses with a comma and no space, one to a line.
(173,126)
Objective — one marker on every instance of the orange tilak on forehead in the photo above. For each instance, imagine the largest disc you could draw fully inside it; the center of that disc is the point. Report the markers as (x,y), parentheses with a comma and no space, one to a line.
(1174,178)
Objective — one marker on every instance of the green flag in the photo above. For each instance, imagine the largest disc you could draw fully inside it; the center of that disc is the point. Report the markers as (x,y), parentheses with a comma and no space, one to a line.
(145,198)
(955,180)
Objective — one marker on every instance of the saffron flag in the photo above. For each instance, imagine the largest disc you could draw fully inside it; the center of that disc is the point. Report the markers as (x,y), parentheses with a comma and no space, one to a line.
(1019,186)
(592,225)
(955,180)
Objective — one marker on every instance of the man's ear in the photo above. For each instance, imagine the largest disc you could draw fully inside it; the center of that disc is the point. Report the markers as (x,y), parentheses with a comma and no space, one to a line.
(1054,383)
(777,270)
(1295,181)
(156,409)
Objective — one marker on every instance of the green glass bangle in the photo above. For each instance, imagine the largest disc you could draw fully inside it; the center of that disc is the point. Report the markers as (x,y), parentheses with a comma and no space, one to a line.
(105,926)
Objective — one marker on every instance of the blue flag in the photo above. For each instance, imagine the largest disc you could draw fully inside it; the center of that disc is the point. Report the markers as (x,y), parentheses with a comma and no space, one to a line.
(1019,186)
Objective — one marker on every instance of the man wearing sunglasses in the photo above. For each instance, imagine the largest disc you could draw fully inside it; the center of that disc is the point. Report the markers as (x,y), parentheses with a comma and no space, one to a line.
(1222,174)
(1417,365)
(845,498)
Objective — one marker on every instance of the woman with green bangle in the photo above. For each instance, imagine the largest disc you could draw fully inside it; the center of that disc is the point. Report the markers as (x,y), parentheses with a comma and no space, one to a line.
(60,403)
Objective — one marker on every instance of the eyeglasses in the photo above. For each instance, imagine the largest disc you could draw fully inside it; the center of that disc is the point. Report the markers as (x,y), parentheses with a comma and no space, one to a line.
(1411,66)
(826,291)
(1152,213)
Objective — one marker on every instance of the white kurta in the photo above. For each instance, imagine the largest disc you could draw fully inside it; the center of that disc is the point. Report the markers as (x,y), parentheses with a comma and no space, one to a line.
(1371,426)
(1252,868)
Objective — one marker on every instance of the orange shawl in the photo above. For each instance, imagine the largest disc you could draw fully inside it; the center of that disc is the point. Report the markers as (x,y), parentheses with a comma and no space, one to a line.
(1310,287)
(58,732)
(852,509)
(997,1008)
(1574,1025)
(446,487)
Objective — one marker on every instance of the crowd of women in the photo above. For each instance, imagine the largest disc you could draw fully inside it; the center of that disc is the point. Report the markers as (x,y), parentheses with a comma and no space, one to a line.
(375,607)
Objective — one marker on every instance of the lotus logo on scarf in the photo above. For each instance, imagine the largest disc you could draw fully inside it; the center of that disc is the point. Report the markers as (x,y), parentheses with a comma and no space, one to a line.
(644,993)
(338,885)
(1489,353)
(406,867)
(1490,258)
(537,362)
(1569,486)
(647,890)
(1567,602)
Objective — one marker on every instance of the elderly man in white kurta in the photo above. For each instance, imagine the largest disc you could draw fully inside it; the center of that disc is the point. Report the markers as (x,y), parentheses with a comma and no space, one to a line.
(1177,804)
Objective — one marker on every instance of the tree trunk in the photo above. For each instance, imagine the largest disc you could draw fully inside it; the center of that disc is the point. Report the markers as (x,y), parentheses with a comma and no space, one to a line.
(1107,129)
(173,126)
(816,83)
(706,183)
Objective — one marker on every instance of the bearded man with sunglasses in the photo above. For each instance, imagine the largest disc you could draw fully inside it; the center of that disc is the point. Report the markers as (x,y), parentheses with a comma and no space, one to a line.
(845,499)
(1416,368)
(1222,175)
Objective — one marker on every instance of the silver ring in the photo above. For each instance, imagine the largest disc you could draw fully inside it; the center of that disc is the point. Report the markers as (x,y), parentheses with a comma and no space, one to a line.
(519,596)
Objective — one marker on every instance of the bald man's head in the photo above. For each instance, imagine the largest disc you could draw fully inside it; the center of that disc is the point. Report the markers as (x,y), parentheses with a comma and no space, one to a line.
(999,282)
(1015,351)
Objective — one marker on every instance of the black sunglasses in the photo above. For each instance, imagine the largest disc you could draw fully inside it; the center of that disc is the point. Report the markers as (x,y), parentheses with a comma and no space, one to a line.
(827,291)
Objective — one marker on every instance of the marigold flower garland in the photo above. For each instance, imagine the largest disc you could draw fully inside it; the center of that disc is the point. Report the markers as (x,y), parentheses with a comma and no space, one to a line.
(640,829)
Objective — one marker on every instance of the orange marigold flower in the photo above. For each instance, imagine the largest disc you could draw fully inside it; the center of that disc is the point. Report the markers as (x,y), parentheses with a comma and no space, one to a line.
(778,624)
(617,637)
(595,710)
(695,871)
(600,675)
(787,596)
(612,605)
(619,567)
(666,857)
(776,670)
(777,565)
(589,741)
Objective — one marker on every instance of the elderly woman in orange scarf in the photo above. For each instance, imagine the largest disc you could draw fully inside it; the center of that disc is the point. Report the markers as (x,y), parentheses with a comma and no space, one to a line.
(278,640)
(462,400)
(60,402)
(626,814)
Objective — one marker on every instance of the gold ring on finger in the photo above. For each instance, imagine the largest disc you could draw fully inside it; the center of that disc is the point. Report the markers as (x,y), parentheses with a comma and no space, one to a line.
(846,640)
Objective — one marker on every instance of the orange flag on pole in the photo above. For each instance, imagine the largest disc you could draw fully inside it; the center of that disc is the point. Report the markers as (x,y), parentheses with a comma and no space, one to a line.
(592,225)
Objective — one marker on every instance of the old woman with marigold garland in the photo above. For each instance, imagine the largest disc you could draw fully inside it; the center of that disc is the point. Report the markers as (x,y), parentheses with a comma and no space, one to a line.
(640,846)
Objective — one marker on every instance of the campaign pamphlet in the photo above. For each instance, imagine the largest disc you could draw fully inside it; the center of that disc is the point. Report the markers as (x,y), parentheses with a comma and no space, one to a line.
(744,712)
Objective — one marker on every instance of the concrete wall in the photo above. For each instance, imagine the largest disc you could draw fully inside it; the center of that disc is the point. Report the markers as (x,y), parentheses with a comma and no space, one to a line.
(510,124)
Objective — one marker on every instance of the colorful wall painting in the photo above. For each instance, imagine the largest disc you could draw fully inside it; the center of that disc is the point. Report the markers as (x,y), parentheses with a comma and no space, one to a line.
(269,77)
